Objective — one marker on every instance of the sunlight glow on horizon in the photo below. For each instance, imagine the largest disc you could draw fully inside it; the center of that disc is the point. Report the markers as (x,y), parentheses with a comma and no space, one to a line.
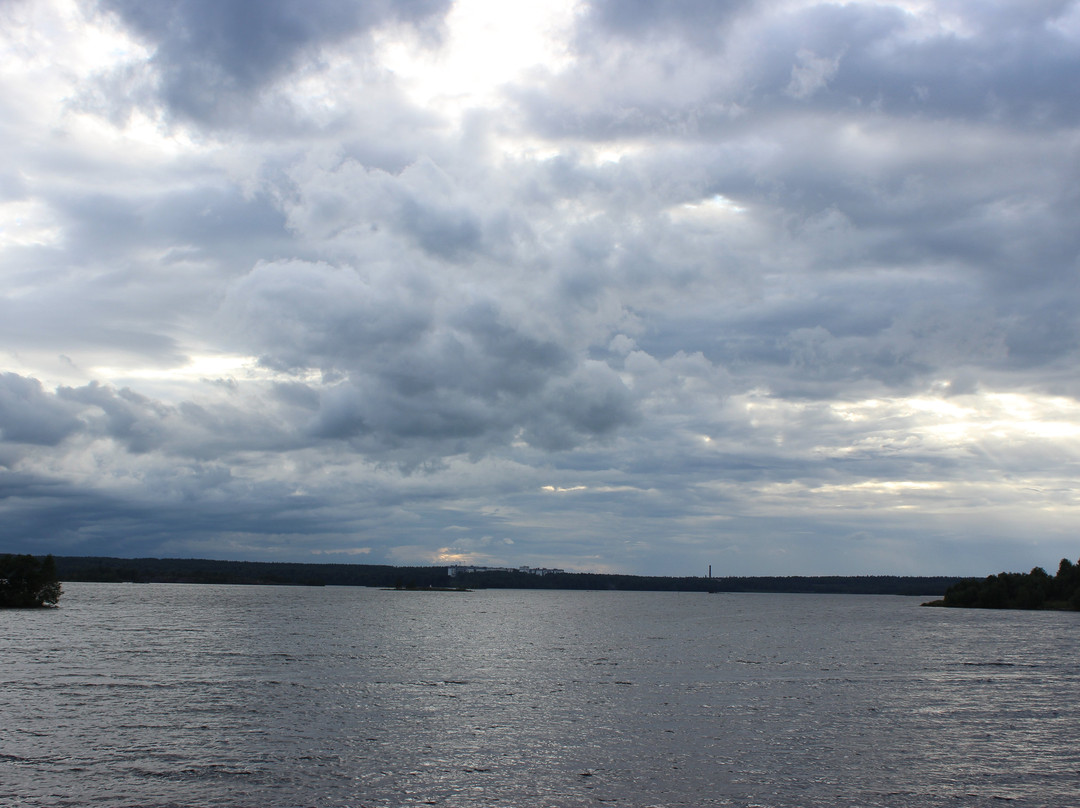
(199,367)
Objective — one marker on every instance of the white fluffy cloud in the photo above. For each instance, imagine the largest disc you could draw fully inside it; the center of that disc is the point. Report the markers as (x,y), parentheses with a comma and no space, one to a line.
(781,287)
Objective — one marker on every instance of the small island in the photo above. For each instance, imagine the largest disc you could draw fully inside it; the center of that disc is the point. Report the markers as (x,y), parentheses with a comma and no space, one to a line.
(428,589)
(1018,590)
(27,582)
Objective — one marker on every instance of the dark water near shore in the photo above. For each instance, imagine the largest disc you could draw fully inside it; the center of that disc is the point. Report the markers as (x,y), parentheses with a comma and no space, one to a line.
(172,695)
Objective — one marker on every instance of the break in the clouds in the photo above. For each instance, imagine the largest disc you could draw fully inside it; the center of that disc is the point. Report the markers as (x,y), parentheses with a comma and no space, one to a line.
(778,287)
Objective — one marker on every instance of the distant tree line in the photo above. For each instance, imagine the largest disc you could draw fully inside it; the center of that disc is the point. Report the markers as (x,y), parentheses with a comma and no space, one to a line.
(177,570)
(209,571)
(1018,590)
(27,582)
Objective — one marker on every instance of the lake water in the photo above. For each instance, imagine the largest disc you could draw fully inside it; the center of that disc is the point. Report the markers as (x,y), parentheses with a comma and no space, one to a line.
(185,695)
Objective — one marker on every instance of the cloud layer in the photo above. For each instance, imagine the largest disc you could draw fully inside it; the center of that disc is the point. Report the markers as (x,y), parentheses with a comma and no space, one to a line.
(778,287)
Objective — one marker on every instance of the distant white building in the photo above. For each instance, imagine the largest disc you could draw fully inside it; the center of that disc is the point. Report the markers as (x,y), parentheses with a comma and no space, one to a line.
(459,569)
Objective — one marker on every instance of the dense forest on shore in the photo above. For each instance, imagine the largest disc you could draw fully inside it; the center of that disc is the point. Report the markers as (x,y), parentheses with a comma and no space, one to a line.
(175,570)
(1018,590)
(27,582)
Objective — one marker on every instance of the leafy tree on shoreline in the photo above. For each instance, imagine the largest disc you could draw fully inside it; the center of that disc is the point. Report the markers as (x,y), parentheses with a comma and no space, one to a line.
(26,582)
(1018,590)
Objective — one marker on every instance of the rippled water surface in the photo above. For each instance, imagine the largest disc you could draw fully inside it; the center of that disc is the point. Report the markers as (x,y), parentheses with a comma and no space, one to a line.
(174,695)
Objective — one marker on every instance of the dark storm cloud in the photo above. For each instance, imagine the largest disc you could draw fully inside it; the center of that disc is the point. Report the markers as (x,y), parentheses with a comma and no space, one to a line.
(297,315)
(441,211)
(446,233)
(188,513)
(60,322)
(1006,63)
(214,56)
(873,139)
(836,333)
(151,260)
(128,417)
(55,513)
(1017,67)
(419,362)
(30,415)
(592,402)
(195,223)
(188,431)
(698,21)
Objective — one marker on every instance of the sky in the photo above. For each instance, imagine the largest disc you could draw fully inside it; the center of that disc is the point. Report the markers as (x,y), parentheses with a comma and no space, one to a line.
(783,287)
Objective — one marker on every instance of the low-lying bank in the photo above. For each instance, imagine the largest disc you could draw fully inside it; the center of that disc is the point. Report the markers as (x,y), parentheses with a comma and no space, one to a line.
(178,570)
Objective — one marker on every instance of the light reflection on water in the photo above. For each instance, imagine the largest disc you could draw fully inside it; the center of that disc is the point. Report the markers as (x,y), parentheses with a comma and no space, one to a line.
(137,695)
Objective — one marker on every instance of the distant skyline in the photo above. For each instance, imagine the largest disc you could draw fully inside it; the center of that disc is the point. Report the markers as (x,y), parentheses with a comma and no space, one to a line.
(784,287)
